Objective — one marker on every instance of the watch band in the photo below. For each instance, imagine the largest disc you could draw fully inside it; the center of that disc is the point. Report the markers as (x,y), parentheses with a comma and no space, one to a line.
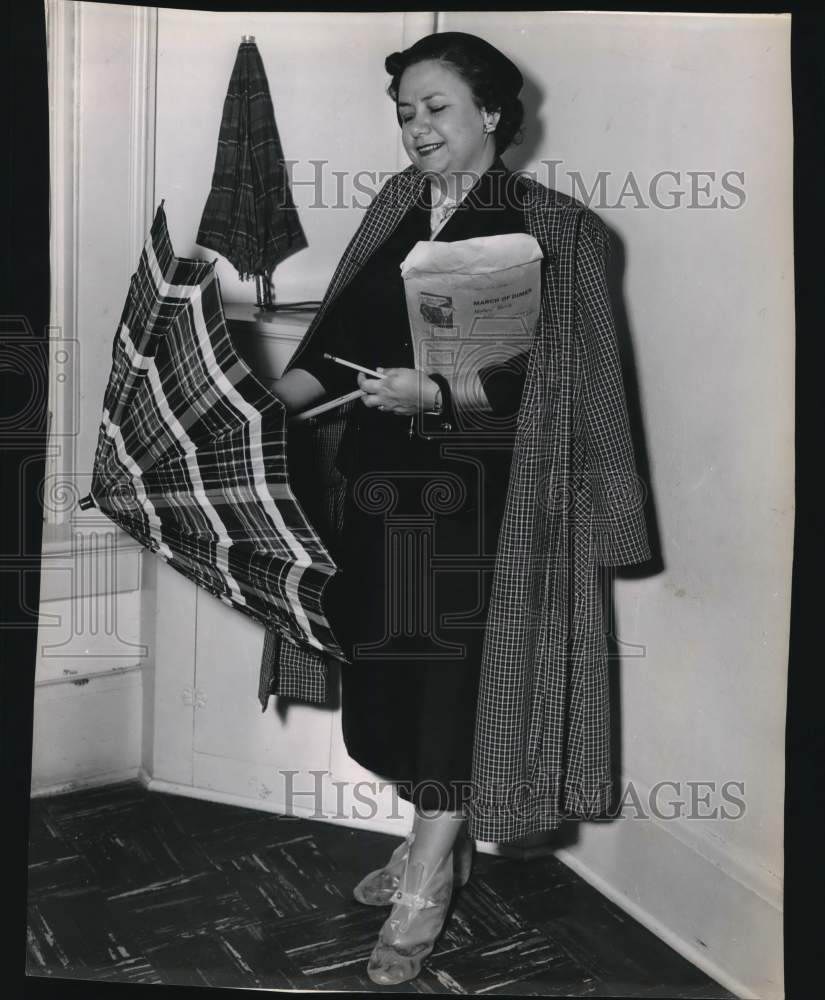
(437,423)
(438,405)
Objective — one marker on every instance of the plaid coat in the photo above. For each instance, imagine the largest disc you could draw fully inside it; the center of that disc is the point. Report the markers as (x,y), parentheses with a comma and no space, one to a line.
(574,504)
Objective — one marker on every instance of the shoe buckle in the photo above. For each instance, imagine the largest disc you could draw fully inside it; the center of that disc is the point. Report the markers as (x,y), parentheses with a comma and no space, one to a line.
(411,899)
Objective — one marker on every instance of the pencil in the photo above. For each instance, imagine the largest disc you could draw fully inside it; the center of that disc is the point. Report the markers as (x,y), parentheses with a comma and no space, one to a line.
(350,364)
(329,405)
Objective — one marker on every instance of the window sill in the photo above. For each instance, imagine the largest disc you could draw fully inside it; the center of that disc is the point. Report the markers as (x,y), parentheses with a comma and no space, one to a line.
(265,341)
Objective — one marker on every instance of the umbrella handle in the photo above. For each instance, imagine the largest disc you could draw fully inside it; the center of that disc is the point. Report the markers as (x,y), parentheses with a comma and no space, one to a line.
(330,405)
(263,290)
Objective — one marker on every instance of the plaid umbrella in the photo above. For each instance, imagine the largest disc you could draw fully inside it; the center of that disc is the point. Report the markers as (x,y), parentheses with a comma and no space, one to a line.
(250,217)
(191,454)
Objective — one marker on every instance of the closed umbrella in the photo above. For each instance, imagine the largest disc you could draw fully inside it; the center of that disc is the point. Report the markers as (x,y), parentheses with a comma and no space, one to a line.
(249,216)
(191,457)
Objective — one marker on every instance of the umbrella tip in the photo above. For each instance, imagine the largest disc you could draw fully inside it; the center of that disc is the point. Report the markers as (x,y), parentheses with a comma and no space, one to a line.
(247,38)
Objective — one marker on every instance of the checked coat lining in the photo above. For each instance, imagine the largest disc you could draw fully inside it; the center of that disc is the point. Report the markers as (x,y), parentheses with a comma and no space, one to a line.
(574,504)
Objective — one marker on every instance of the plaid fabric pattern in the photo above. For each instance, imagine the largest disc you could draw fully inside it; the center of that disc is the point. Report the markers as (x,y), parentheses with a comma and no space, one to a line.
(249,215)
(574,505)
(302,675)
(191,453)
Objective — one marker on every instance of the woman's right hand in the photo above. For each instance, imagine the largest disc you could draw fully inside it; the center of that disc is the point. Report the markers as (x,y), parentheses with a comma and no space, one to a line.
(404,391)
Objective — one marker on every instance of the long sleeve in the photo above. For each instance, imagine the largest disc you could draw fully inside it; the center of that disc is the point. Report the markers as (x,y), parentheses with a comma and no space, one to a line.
(333,335)
(620,532)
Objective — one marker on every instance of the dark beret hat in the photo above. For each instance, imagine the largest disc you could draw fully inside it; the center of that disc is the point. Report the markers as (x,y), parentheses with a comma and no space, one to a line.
(435,46)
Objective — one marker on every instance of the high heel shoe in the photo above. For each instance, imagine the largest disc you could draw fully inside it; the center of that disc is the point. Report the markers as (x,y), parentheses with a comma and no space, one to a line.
(410,932)
(377,888)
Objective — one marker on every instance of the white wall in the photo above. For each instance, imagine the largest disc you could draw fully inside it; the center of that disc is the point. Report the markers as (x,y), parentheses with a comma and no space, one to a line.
(327,81)
(94,638)
(708,295)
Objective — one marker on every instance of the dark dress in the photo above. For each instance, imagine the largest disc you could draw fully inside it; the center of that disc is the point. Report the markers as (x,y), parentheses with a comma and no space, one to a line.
(421,525)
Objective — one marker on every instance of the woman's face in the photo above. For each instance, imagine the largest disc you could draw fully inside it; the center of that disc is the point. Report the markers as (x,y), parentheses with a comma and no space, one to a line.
(441,126)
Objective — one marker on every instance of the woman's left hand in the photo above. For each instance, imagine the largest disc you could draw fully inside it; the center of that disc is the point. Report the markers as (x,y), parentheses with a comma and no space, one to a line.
(405,391)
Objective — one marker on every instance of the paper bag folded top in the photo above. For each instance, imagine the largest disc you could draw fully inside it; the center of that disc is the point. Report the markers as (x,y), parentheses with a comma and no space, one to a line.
(473,306)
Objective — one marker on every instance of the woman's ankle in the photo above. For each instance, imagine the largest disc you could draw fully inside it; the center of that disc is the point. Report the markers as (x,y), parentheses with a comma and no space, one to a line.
(431,865)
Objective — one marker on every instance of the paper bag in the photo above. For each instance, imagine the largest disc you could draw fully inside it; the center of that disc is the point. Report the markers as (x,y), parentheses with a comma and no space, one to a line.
(473,306)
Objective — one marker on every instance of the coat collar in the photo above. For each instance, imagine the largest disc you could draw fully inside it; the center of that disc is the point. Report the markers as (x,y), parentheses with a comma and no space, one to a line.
(393,201)
(390,206)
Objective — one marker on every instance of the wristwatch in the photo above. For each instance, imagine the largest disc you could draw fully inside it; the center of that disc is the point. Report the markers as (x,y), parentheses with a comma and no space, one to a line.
(440,419)
(438,405)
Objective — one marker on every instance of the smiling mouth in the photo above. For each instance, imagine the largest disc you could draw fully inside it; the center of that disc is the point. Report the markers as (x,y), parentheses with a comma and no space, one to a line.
(430,148)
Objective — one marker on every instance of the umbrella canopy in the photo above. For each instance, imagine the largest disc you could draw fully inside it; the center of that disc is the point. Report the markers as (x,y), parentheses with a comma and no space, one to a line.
(191,456)
(250,217)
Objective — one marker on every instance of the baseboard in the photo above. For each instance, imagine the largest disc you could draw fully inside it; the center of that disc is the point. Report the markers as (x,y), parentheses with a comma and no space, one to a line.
(94,781)
(710,917)
(394,827)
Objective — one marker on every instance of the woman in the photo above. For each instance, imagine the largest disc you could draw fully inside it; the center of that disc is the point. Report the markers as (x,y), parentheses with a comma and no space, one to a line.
(409,712)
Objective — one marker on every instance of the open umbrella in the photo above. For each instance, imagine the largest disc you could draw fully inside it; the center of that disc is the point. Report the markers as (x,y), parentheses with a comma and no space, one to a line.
(191,457)
(249,216)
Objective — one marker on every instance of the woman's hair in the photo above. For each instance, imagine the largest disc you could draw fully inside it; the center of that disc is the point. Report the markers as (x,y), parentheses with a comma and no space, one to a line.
(492,78)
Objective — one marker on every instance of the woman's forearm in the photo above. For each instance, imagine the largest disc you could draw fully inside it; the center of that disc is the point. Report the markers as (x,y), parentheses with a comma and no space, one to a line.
(298,390)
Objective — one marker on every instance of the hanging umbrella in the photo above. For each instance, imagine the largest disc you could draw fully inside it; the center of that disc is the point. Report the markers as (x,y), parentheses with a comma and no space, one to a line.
(191,455)
(249,216)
